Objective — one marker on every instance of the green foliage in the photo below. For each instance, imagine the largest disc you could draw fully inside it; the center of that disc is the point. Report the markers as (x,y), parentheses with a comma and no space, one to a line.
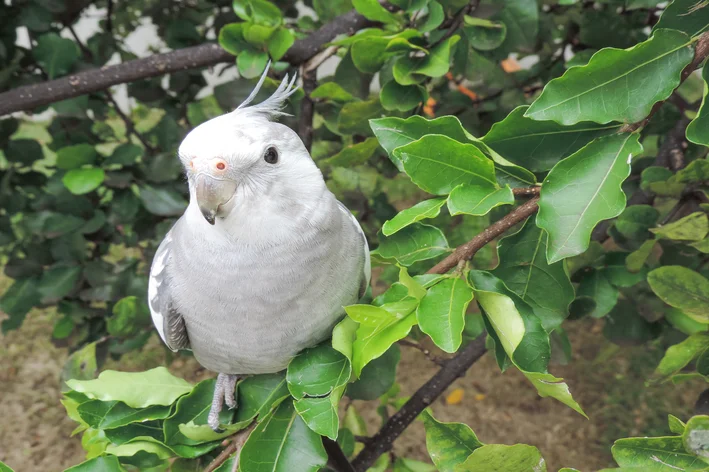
(448,134)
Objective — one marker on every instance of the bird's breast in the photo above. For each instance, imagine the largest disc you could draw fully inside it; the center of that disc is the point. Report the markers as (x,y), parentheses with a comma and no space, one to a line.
(250,310)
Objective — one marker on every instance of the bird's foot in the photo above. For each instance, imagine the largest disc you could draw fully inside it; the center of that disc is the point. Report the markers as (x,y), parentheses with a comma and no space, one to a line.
(223,393)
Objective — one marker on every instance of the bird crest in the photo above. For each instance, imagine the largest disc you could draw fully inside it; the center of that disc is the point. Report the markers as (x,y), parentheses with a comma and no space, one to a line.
(271,107)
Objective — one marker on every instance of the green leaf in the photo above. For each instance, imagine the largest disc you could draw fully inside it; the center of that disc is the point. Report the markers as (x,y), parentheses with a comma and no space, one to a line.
(354,116)
(416,242)
(56,55)
(477,200)
(438,164)
(635,221)
(353,155)
(320,414)
(520,334)
(374,339)
(58,282)
(124,155)
(680,355)
(696,437)
(690,16)
(502,458)
(84,180)
(441,313)
(279,43)
(231,38)
(617,84)
(259,11)
(394,96)
(126,314)
(539,145)
(484,35)
(524,269)
(595,285)
(317,371)
(434,18)
(410,465)
(692,227)
(282,442)
(422,210)
(698,129)
(377,377)
(251,63)
(448,444)
(676,425)
(437,62)
(136,389)
(393,133)
(522,20)
(682,288)
(683,323)
(258,395)
(97,464)
(549,386)
(332,91)
(583,190)
(372,10)
(696,172)
(162,201)
(18,300)
(193,409)
(72,157)
(114,414)
(24,151)
(655,455)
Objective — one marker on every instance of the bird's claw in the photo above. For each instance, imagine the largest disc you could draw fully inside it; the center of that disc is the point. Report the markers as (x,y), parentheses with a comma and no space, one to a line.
(224,390)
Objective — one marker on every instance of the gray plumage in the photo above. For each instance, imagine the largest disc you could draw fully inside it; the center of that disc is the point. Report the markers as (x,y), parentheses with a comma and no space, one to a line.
(265,258)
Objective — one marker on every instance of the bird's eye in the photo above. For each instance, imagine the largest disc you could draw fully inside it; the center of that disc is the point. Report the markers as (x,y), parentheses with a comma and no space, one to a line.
(271,155)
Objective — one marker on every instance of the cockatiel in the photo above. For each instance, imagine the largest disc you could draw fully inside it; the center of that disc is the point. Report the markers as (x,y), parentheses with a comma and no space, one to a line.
(264,258)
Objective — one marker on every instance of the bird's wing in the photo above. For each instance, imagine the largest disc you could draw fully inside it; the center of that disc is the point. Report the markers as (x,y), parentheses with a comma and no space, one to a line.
(168,321)
(367,275)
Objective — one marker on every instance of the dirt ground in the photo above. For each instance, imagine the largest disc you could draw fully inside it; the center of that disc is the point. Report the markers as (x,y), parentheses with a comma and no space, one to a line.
(502,408)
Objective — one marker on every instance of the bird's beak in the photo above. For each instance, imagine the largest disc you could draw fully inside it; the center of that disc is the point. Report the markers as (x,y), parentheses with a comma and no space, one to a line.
(211,194)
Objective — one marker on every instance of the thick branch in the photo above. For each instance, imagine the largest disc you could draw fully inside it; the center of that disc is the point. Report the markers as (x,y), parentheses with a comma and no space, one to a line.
(427,394)
(468,250)
(526,191)
(31,96)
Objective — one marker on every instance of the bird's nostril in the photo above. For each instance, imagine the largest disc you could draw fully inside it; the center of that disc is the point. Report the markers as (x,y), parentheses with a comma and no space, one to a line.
(192,163)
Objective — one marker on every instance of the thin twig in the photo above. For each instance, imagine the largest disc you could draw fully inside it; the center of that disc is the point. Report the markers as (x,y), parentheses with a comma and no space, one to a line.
(109,17)
(237,443)
(457,21)
(435,359)
(468,250)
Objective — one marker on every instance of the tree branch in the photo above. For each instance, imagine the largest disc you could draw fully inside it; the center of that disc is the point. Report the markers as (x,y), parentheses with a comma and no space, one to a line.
(452,368)
(235,446)
(468,250)
(31,96)
(526,191)
(424,396)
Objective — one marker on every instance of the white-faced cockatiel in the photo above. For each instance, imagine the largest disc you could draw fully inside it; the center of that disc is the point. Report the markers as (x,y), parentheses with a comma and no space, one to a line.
(264,258)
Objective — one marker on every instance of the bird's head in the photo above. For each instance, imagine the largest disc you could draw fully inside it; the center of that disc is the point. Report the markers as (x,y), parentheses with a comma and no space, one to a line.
(241,160)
